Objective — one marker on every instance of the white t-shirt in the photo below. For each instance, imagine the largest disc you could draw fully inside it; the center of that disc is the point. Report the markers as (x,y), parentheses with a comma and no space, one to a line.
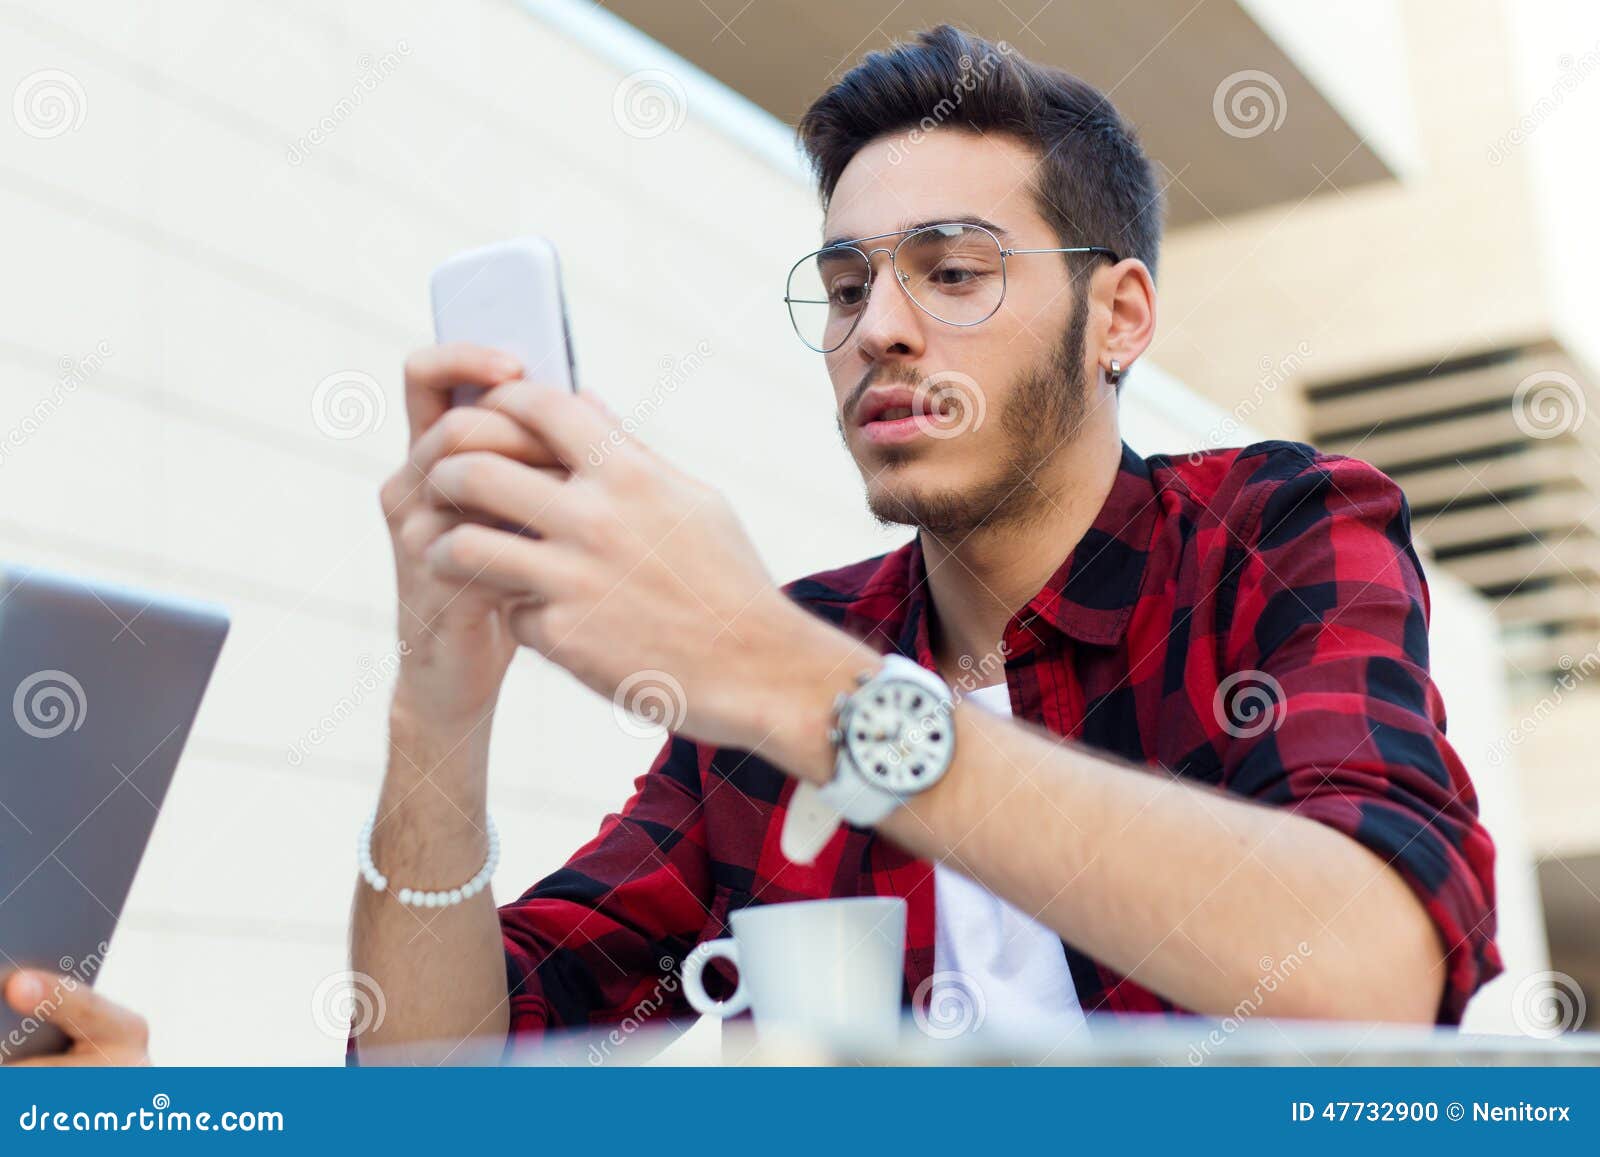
(1007,973)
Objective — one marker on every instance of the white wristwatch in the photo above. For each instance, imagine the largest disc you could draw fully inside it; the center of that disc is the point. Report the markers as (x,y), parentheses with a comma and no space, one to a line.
(893,736)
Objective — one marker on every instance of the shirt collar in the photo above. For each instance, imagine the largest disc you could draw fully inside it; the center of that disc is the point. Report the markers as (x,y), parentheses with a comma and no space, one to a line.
(1091,595)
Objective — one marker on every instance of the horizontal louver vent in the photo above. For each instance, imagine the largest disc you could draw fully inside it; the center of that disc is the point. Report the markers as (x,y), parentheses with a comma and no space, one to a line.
(1499,455)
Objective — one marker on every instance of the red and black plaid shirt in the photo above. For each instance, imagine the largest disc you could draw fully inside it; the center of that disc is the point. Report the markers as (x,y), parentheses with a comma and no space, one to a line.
(1294,566)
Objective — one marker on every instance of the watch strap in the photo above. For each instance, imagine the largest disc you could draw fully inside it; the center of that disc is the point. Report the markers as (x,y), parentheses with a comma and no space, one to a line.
(808,824)
(851,796)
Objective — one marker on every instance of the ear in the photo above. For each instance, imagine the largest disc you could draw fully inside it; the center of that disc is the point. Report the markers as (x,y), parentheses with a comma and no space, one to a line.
(1129,294)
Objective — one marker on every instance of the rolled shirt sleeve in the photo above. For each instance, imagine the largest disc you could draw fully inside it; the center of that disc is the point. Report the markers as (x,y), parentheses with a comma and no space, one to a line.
(1331,710)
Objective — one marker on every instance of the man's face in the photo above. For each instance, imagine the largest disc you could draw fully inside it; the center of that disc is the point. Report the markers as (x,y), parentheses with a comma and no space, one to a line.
(950,425)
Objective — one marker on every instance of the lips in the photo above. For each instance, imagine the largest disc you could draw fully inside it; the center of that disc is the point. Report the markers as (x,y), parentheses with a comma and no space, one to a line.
(889,404)
(894,415)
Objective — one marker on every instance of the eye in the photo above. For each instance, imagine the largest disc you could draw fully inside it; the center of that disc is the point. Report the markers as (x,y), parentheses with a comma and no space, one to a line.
(954,276)
(847,293)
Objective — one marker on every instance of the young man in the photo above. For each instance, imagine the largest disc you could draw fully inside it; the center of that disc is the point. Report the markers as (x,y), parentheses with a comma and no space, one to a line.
(1223,746)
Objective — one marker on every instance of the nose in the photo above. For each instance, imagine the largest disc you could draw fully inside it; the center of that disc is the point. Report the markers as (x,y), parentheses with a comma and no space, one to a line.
(891,325)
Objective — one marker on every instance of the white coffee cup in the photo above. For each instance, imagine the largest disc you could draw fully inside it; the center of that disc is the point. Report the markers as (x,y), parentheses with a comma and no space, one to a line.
(826,970)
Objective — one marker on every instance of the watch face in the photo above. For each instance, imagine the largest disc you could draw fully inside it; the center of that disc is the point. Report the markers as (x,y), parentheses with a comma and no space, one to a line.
(900,736)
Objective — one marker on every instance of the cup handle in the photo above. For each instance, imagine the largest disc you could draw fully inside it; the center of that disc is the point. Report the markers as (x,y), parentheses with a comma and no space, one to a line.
(694,987)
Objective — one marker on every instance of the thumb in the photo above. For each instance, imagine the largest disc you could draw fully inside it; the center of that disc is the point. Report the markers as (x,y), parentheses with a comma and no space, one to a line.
(76,1009)
(24,991)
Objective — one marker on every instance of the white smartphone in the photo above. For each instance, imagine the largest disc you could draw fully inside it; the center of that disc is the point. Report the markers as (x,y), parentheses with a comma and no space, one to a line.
(508,297)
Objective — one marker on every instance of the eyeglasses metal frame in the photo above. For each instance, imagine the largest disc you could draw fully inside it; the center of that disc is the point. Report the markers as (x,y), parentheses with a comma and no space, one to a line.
(905,235)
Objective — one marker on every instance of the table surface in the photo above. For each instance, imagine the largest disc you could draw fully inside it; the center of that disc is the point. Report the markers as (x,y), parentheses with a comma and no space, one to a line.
(1181,1042)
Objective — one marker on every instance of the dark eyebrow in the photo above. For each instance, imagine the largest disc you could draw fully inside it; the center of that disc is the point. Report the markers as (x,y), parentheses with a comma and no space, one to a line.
(997,230)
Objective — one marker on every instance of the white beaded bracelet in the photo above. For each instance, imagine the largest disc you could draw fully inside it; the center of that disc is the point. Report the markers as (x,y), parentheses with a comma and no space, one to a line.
(415,897)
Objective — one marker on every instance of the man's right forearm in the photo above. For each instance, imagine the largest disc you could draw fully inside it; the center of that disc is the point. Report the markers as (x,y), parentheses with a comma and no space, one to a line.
(440,971)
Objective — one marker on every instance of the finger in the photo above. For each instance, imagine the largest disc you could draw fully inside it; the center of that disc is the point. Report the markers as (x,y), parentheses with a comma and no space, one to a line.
(498,488)
(77,1010)
(511,563)
(580,434)
(22,991)
(528,624)
(617,433)
(475,428)
(425,523)
(535,625)
(433,371)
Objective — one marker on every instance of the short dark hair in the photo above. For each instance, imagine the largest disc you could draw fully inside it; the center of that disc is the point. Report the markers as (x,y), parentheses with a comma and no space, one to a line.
(1095,186)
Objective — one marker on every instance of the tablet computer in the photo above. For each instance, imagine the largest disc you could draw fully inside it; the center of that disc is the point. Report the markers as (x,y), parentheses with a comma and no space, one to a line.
(99,686)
